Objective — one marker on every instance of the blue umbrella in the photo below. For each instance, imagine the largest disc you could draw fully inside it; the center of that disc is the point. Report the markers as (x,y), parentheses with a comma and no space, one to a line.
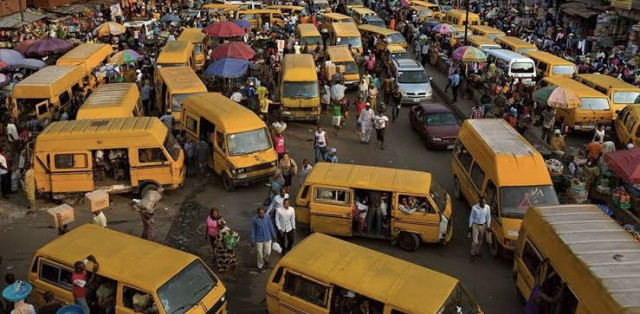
(71,309)
(243,23)
(170,18)
(228,68)
(31,64)
(10,56)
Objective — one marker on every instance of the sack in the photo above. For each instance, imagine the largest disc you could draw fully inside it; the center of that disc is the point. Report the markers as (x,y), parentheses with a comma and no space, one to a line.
(275,246)
(230,240)
(488,236)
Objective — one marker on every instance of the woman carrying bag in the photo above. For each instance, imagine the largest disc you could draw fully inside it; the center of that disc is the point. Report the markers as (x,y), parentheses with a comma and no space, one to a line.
(288,168)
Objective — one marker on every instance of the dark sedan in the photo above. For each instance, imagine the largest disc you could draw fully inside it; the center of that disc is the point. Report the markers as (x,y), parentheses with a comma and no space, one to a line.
(436,123)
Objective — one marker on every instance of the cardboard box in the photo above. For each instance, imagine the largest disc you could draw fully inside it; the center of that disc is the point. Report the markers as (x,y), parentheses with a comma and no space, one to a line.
(66,215)
(98,199)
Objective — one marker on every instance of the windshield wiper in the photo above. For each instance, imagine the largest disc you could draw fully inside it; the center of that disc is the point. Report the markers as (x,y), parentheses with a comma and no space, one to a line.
(206,286)
(192,305)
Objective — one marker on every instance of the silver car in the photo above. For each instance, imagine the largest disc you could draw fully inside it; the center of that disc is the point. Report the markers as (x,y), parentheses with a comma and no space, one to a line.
(413,81)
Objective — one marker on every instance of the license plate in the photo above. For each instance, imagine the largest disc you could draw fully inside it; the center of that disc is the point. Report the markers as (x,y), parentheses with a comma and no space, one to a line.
(286,112)
(588,126)
(450,146)
(242,176)
(416,100)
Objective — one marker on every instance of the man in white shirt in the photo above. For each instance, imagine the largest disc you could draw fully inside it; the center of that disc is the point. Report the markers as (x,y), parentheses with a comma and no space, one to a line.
(286,225)
(320,142)
(12,136)
(479,223)
(380,123)
(278,200)
(5,176)
(237,96)
(99,219)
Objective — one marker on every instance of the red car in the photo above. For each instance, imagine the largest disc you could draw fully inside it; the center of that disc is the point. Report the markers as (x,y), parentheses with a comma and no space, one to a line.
(436,123)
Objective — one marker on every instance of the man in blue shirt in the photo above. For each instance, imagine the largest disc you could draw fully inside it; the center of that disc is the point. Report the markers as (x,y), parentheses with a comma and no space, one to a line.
(455,82)
(261,234)
(479,223)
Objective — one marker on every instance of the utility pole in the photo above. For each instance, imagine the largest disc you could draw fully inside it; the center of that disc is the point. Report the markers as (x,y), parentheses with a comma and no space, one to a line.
(21,10)
(466,22)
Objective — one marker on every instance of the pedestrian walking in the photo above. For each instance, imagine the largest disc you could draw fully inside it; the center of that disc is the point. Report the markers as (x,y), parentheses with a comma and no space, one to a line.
(145,97)
(203,155)
(212,226)
(336,117)
(99,219)
(190,155)
(397,103)
(288,168)
(479,224)
(5,175)
(455,83)
(80,282)
(366,124)
(286,225)
(30,188)
(548,121)
(224,255)
(380,122)
(146,208)
(477,112)
(261,235)
(12,138)
(50,305)
(320,142)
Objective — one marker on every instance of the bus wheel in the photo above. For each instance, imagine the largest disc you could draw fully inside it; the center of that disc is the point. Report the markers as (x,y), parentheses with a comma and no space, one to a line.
(457,192)
(147,188)
(408,241)
(72,200)
(227,183)
(496,250)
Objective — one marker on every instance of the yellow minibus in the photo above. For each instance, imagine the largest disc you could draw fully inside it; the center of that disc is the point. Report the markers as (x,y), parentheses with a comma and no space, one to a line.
(258,17)
(289,10)
(359,13)
(90,56)
(390,37)
(200,43)
(330,192)
(627,126)
(322,274)
(345,34)
(423,13)
(434,7)
(580,257)
(115,100)
(483,43)
(309,36)
(167,279)
(242,151)
(486,31)
(340,56)
(595,108)
(173,84)
(329,19)
(119,155)
(515,44)
(493,160)
(459,18)
(299,90)
(44,93)
(550,65)
(176,53)
(620,93)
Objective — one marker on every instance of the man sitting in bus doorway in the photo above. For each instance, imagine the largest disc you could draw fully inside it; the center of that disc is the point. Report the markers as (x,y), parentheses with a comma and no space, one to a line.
(479,223)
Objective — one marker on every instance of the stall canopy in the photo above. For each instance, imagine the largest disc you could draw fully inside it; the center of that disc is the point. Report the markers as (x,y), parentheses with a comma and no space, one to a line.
(625,164)
(13,20)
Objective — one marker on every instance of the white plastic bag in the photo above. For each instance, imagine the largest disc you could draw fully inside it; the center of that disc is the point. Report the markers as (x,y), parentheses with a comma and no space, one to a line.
(275,246)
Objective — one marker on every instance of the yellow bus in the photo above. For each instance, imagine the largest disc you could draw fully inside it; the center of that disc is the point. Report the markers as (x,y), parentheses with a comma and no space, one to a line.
(515,44)
(627,126)
(434,7)
(299,90)
(423,13)
(329,19)
(90,56)
(289,10)
(359,13)
(459,18)
(176,53)
(345,34)
(595,107)
(581,251)
(309,36)
(620,93)
(330,192)
(71,157)
(340,56)
(242,152)
(493,160)
(200,43)
(390,37)
(551,65)
(173,84)
(115,100)
(167,276)
(44,93)
(258,17)
(483,43)
(321,273)
(486,31)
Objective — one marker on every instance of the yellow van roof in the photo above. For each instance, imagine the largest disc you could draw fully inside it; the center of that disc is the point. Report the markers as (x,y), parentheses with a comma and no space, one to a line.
(48,82)
(336,16)
(608,81)
(193,35)
(175,52)
(299,68)
(308,29)
(181,80)
(89,54)
(144,264)
(366,177)
(240,119)
(376,29)
(363,11)
(346,29)
(579,88)
(462,13)
(393,48)
(142,131)
(115,100)
(339,54)
(588,242)
(482,40)
(487,29)
(378,276)
(547,57)
(508,152)
(514,41)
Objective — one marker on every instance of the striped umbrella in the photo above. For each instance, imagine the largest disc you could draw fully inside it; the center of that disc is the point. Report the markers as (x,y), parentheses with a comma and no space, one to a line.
(126,56)
(109,28)
(557,97)
(444,29)
(469,54)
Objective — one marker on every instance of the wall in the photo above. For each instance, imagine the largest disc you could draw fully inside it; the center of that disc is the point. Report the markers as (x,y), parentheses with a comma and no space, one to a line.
(11,6)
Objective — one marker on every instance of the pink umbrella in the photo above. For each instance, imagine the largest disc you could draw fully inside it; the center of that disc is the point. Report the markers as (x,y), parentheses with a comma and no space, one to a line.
(223,29)
(234,49)
(24,45)
(444,29)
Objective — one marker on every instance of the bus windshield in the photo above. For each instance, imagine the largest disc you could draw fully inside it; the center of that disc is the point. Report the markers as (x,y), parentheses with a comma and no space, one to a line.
(626,97)
(248,142)
(346,41)
(563,70)
(395,38)
(515,200)
(594,103)
(187,288)
(459,302)
(522,67)
(300,90)
(310,40)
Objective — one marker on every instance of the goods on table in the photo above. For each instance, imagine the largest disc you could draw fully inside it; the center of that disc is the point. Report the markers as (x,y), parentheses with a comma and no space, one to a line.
(577,193)
(555,167)
(602,186)
(621,198)
(605,209)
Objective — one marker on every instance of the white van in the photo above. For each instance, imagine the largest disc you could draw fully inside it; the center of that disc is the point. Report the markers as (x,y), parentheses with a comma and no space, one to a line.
(514,64)
(249,5)
(145,27)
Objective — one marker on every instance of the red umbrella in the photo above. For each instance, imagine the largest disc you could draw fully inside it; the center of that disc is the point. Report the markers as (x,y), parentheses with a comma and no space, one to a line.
(625,164)
(2,65)
(22,46)
(223,29)
(234,49)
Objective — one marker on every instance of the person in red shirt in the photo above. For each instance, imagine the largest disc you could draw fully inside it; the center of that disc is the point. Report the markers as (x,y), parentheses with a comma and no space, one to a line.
(594,148)
(80,282)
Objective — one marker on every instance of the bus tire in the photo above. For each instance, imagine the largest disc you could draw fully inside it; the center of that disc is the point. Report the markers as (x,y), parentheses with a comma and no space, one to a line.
(494,247)
(227,183)
(457,192)
(146,188)
(408,241)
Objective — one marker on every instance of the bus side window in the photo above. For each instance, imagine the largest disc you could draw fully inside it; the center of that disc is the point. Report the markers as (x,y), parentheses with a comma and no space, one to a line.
(154,154)
(531,258)
(463,155)
(490,194)
(477,175)
(306,289)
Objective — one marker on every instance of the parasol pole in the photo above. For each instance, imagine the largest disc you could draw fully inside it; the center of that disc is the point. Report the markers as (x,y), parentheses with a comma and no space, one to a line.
(466,22)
